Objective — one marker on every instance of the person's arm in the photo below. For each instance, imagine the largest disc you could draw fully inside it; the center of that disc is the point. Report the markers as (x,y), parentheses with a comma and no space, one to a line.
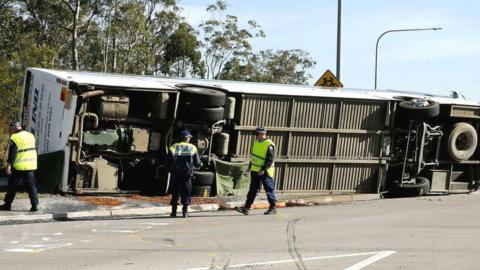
(12,155)
(169,161)
(197,163)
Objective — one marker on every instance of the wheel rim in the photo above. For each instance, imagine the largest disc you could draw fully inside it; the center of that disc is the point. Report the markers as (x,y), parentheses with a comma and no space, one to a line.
(462,142)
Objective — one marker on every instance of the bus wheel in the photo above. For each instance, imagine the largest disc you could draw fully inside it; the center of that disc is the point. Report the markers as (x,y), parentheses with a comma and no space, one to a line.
(462,141)
(203,97)
(418,108)
(420,188)
(204,178)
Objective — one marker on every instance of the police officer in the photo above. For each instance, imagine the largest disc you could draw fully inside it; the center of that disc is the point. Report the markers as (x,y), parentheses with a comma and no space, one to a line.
(183,159)
(261,171)
(21,165)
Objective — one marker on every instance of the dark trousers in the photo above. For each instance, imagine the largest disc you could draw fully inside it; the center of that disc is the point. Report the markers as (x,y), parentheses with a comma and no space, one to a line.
(29,179)
(268,185)
(181,184)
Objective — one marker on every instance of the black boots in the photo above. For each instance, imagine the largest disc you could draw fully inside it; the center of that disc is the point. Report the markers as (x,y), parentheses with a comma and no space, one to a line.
(174,211)
(185,211)
(271,211)
(243,210)
(6,207)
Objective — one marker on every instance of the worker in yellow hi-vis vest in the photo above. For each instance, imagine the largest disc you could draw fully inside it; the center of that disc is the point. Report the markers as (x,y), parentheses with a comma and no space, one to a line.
(261,172)
(183,159)
(21,164)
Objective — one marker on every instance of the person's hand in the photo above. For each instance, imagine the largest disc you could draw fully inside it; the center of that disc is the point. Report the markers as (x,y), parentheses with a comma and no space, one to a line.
(247,172)
(8,170)
(261,172)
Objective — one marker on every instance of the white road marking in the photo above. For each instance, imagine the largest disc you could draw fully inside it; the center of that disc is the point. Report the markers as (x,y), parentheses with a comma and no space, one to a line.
(116,231)
(37,248)
(378,255)
(156,224)
(58,233)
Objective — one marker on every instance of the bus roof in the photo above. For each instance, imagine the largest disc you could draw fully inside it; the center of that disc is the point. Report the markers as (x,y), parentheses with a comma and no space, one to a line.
(152,82)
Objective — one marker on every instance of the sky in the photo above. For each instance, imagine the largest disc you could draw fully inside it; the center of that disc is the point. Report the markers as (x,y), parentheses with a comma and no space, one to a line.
(424,61)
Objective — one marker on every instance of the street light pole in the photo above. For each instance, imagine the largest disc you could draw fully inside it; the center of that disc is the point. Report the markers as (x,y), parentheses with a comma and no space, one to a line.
(397,30)
(339,38)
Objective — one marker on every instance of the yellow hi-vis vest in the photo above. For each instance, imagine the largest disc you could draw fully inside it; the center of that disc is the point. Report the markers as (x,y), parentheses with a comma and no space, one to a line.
(26,158)
(183,149)
(259,153)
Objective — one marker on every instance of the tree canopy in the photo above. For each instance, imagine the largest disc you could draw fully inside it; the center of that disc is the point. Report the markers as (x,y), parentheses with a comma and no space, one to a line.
(134,37)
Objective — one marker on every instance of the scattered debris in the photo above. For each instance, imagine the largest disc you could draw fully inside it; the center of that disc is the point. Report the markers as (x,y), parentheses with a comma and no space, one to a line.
(101,201)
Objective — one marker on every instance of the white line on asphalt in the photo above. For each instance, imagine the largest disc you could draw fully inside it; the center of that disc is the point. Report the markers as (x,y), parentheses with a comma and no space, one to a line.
(156,224)
(116,231)
(378,255)
(36,248)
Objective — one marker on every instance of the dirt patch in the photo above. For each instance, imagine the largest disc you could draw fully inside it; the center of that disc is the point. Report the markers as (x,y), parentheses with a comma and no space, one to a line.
(166,199)
(100,201)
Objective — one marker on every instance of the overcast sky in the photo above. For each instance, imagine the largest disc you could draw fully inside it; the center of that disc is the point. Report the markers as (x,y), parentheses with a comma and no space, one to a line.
(428,61)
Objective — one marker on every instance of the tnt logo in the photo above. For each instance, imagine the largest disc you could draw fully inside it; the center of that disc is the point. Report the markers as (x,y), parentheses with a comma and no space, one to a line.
(35,107)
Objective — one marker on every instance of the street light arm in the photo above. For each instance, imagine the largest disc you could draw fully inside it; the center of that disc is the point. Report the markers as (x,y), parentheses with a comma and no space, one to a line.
(396,30)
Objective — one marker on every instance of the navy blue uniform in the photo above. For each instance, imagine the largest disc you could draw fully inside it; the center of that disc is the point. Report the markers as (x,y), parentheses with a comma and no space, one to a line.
(183,159)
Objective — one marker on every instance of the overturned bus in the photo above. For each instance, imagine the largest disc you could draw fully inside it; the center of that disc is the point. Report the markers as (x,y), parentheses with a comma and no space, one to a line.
(100,132)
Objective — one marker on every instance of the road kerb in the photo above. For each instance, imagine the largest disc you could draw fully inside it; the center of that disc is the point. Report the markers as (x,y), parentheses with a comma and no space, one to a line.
(31,218)
(147,211)
(88,214)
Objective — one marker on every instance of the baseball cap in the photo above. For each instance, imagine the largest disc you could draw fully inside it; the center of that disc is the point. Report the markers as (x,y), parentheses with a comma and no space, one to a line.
(259,130)
(185,133)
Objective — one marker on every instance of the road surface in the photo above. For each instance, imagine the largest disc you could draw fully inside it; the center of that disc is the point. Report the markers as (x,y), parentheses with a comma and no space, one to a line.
(439,232)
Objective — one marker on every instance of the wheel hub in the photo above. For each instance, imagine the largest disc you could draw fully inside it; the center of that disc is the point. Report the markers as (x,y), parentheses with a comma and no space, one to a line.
(418,102)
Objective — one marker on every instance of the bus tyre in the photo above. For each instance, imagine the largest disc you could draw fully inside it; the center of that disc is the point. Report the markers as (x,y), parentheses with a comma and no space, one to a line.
(201,114)
(203,178)
(412,110)
(420,188)
(213,114)
(462,141)
(201,191)
(203,97)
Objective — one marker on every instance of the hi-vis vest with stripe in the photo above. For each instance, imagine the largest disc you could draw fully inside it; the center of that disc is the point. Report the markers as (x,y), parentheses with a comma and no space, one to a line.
(259,153)
(183,149)
(26,158)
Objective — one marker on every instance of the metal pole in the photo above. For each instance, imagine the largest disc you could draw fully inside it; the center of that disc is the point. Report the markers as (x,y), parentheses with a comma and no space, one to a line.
(396,30)
(339,38)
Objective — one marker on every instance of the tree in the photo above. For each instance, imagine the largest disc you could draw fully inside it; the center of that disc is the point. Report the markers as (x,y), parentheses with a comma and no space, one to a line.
(283,66)
(18,50)
(45,21)
(224,39)
(82,13)
(182,55)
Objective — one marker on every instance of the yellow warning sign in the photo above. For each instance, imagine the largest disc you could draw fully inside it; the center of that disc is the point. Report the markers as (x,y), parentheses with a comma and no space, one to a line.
(329,80)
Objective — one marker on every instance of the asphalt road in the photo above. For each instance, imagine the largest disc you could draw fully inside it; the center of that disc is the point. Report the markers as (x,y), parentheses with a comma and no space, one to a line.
(441,232)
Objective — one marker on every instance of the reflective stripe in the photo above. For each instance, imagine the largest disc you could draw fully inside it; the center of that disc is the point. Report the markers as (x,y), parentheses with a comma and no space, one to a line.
(25,150)
(253,155)
(183,149)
